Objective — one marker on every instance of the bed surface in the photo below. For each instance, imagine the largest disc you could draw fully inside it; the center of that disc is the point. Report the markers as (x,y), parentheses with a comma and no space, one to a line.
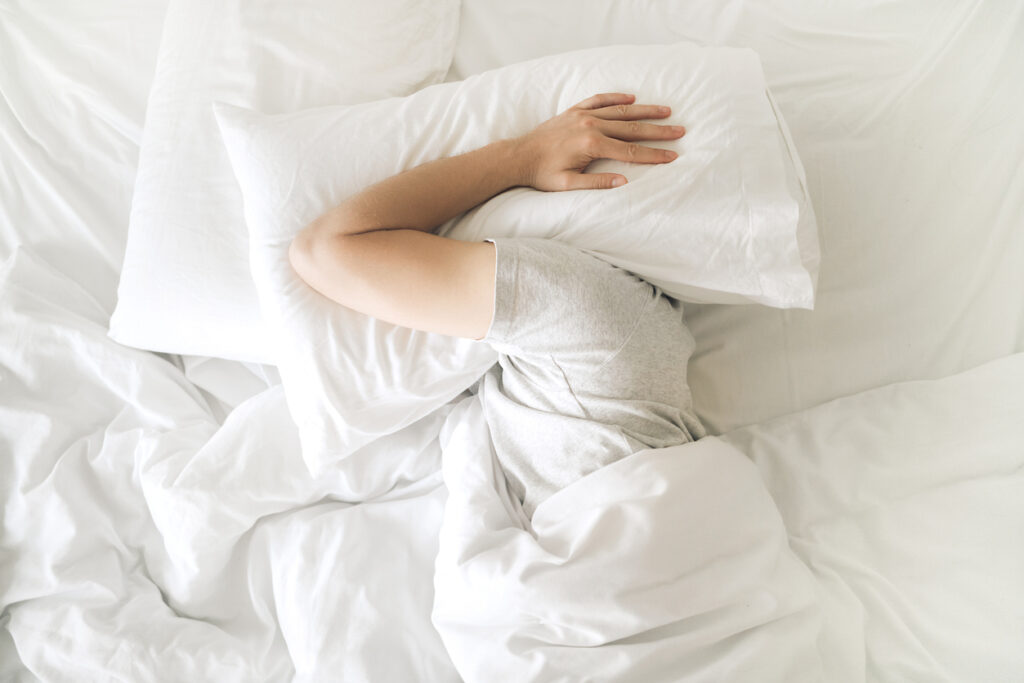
(159,523)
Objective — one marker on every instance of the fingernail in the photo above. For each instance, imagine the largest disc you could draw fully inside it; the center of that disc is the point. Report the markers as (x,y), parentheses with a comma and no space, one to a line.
(671,154)
(664,110)
(618,182)
(678,130)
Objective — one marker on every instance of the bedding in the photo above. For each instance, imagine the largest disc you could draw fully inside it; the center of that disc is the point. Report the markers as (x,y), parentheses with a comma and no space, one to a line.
(902,117)
(865,538)
(724,216)
(670,564)
(73,87)
(726,222)
(159,522)
(717,223)
(185,286)
(905,502)
(140,538)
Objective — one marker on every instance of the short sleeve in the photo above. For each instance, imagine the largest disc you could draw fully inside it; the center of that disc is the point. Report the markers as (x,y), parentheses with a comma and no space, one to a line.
(554,301)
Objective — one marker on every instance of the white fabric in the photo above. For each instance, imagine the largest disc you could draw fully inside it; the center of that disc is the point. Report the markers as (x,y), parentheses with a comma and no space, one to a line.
(718,219)
(73,83)
(145,541)
(185,287)
(226,384)
(907,503)
(717,224)
(904,115)
(726,222)
(671,564)
(349,378)
(903,119)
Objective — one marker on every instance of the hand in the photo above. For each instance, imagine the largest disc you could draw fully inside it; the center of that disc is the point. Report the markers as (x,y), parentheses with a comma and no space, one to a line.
(605,126)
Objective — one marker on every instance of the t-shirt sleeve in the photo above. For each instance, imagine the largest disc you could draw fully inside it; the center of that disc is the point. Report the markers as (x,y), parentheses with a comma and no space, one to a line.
(554,301)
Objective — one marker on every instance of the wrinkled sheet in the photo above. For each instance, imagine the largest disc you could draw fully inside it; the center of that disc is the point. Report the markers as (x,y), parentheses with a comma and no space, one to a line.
(74,78)
(74,81)
(144,541)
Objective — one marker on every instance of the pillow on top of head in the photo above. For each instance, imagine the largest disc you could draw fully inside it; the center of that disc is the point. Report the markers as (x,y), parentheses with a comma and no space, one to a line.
(185,285)
(727,221)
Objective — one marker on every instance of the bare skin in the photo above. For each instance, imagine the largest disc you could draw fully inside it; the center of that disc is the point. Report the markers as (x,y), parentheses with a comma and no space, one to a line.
(376,252)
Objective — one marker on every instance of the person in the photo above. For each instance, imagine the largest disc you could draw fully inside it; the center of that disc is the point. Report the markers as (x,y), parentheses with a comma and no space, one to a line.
(592,358)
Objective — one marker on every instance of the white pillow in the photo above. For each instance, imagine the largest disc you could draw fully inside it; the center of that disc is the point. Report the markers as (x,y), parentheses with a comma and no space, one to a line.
(728,222)
(718,223)
(185,286)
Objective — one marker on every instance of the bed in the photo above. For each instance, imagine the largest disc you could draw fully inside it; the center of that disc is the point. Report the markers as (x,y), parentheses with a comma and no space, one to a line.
(856,512)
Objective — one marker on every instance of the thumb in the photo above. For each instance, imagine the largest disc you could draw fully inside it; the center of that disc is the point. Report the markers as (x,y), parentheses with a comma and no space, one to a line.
(595,181)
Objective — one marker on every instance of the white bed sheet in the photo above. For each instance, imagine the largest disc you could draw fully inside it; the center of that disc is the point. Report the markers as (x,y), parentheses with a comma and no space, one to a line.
(74,78)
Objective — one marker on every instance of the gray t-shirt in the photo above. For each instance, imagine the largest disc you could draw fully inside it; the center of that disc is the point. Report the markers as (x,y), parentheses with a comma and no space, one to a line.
(591,367)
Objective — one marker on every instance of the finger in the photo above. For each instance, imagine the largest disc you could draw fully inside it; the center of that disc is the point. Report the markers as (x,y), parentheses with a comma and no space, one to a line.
(637,154)
(632,112)
(632,131)
(606,99)
(594,181)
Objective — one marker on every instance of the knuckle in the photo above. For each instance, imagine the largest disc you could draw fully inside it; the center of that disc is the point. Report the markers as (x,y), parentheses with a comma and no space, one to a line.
(632,150)
(622,109)
(592,142)
(634,127)
(588,121)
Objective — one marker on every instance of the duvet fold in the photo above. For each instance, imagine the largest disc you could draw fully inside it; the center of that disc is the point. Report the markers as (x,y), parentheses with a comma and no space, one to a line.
(671,564)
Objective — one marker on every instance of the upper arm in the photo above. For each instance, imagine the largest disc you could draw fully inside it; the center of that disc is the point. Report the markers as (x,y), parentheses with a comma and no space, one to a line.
(407,277)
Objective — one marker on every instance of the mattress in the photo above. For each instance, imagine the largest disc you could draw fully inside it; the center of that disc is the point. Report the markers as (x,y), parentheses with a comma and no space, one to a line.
(856,514)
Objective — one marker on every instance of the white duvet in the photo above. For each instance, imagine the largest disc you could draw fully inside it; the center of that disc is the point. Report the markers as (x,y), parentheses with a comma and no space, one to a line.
(671,564)
(144,541)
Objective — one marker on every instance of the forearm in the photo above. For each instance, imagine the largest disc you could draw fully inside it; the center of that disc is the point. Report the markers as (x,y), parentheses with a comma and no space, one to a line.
(424,197)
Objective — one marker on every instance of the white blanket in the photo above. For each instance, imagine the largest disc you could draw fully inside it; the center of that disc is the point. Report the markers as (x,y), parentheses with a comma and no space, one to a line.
(907,503)
(671,564)
(145,541)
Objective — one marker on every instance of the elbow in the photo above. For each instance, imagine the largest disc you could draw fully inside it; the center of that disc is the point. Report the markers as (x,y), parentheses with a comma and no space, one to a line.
(316,253)
(320,256)
(302,253)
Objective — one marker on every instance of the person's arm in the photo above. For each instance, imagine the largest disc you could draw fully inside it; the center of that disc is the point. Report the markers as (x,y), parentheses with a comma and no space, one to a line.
(375,252)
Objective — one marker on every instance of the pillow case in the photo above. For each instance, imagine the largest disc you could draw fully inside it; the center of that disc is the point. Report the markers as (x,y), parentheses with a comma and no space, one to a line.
(730,223)
(185,285)
(349,377)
